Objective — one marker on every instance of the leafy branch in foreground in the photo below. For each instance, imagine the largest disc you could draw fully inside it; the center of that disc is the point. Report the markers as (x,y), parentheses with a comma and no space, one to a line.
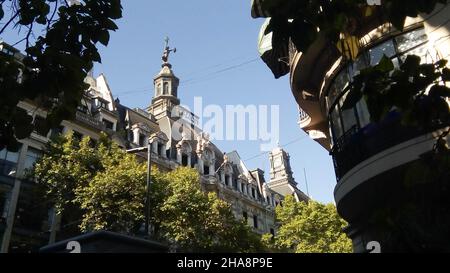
(56,63)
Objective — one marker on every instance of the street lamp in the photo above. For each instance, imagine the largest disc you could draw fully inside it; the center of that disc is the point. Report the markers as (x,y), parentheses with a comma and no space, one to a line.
(147,195)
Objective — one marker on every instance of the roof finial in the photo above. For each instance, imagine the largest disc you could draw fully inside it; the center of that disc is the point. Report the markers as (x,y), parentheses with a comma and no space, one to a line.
(166,54)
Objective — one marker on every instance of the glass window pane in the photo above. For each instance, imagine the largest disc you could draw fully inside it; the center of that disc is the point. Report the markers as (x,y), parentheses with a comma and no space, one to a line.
(421,51)
(360,63)
(363,113)
(12,157)
(3,154)
(411,39)
(348,116)
(32,156)
(376,53)
(337,127)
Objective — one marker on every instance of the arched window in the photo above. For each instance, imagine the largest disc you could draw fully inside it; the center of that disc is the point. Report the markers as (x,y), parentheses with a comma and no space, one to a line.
(158,90)
(166,88)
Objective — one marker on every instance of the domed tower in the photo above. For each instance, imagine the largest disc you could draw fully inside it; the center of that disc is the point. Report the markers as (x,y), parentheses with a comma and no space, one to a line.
(166,87)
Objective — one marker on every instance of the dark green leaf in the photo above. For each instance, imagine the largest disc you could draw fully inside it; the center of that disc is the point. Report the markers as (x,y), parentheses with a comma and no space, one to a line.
(446,75)
(103,37)
(385,64)
(352,98)
(439,91)
(411,64)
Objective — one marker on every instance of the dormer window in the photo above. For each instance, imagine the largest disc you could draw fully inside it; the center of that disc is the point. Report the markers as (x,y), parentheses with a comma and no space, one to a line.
(235,184)
(101,103)
(109,125)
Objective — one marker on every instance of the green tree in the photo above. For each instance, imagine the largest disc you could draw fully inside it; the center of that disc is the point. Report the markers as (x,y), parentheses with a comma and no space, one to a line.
(308,228)
(99,186)
(195,221)
(57,59)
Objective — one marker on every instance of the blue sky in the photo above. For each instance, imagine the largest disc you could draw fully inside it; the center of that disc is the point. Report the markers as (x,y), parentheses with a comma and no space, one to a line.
(210,36)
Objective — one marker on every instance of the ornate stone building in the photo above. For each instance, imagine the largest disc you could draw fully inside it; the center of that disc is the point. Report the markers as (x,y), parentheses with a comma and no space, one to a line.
(224,173)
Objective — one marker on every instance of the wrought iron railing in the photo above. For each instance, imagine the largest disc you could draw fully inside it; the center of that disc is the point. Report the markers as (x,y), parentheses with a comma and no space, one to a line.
(357,145)
(90,120)
(304,119)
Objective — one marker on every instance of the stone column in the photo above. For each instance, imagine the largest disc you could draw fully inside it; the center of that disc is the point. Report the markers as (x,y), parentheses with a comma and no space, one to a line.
(200,165)
(189,161)
(155,147)
(212,168)
(222,177)
(136,136)
(179,156)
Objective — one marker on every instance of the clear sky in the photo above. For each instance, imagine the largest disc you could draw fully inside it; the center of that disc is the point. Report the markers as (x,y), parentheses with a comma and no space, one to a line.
(210,37)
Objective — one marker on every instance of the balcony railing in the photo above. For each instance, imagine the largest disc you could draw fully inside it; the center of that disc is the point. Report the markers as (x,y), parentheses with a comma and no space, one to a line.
(358,145)
(304,119)
(91,121)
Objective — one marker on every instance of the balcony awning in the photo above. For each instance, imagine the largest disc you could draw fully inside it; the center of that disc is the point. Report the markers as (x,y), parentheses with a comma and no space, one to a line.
(258,9)
(276,56)
(271,8)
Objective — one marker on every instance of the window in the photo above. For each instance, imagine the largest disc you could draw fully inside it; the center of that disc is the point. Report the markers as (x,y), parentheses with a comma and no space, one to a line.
(343,122)
(166,88)
(109,125)
(8,162)
(376,53)
(102,104)
(242,188)
(161,149)
(32,156)
(142,139)
(83,108)
(57,131)
(255,221)
(158,90)
(227,179)
(235,184)
(253,193)
(206,169)
(40,126)
(348,116)
(184,160)
(411,40)
(245,216)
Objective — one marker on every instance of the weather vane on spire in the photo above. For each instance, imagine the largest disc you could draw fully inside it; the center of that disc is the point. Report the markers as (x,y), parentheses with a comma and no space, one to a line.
(167,51)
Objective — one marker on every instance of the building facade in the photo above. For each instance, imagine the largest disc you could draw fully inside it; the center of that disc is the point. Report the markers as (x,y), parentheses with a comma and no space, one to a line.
(176,140)
(370,159)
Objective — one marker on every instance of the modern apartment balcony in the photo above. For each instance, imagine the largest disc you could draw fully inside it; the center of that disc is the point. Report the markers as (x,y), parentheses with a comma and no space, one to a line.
(375,159)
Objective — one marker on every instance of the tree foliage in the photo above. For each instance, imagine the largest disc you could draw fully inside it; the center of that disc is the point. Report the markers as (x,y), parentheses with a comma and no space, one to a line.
(101,187)
(56,63)
(194,221)
(339,21)
(308,228)
(416,90)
